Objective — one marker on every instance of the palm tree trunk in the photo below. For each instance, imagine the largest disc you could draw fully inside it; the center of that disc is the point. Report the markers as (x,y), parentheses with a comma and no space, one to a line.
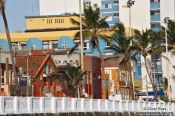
(152,83)
(9,43)
(103,67)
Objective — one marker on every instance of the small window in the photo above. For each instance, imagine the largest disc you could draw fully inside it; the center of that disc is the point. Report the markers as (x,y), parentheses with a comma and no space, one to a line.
(2,81)
(116,15)
(115,2)
(107,44)
(64,45)
(49,21)
(106,5)
(95,5)
(34,46)
(86,45)
(1,48)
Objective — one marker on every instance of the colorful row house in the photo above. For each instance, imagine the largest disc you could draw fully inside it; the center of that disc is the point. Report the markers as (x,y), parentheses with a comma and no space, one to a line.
(120,79)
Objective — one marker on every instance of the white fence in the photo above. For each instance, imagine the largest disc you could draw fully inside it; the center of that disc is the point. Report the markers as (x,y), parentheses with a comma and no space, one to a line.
(19,105)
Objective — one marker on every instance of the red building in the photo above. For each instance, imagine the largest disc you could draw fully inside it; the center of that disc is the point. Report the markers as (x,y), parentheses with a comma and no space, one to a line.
(40,67)
(43,63)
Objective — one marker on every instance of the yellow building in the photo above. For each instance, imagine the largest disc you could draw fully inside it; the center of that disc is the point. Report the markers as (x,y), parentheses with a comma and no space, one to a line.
(45,31)
(120,79)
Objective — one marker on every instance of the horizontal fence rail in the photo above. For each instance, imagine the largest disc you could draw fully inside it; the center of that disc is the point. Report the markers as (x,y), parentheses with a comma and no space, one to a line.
(30,105)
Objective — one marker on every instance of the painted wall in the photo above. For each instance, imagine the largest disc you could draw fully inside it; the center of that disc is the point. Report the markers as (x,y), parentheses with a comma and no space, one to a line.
(49,22)
(57,7)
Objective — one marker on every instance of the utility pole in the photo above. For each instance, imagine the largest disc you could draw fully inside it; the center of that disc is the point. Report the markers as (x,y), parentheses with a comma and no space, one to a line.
(82,44)
(27,75)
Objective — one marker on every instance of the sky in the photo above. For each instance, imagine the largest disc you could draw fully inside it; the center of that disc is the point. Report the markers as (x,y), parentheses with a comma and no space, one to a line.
(16,10)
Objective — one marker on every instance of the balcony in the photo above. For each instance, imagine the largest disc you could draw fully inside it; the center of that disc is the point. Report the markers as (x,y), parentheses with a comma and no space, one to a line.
(113,9)
(155,18)
(113,21)
(155,5)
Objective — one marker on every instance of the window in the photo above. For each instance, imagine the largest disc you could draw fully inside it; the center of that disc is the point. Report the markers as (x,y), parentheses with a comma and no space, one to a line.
(46,45)
(62,20)
(55,44)
(106,5)
(56,20)
(49,21)
(155,1)
(86,46)
(64,45)
(88,3)
(95,5)
(115,2)
(155,12)
(23,46)
(15,46)
(1,48)
(155,25)
(34,46)
(107,44)
(116,15)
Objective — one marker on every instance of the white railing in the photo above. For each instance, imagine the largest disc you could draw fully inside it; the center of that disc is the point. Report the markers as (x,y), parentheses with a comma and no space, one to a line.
(20,105)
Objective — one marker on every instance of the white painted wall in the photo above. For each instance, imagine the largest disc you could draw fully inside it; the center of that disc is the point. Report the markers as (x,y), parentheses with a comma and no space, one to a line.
(57,7)
(140,14)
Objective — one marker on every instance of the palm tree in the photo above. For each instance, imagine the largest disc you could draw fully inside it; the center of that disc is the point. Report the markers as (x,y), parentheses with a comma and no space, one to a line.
(94,27)
(72,78)
(2,10)
(171,32)
(157,49)
(148,43)
(121,46)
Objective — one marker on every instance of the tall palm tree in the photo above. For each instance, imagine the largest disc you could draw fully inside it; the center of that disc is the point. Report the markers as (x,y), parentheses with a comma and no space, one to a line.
(157,48)
(2,10)
(122,49)
(93,28)
(148,43)
(171,32)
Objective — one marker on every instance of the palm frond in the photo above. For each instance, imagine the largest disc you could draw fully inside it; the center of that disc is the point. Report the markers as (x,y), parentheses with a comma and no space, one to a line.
(74,48)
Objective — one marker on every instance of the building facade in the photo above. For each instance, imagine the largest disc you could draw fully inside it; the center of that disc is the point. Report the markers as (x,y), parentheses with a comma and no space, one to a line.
(110,8)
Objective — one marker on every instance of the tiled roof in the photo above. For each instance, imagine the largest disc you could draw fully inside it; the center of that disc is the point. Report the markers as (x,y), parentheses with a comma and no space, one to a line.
(34,62)
(112,62)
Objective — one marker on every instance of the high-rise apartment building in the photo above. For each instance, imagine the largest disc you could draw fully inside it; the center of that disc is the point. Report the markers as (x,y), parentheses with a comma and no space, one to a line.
(110,8)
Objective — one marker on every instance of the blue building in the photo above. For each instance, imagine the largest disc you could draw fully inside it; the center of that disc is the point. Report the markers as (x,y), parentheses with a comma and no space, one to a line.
(155,15)
(110,8)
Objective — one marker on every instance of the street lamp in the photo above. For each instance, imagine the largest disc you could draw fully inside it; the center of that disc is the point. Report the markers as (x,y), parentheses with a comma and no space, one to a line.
(130,3)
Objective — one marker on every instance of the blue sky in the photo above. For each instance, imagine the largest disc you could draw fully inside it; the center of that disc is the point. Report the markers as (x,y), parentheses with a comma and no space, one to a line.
(16,10)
